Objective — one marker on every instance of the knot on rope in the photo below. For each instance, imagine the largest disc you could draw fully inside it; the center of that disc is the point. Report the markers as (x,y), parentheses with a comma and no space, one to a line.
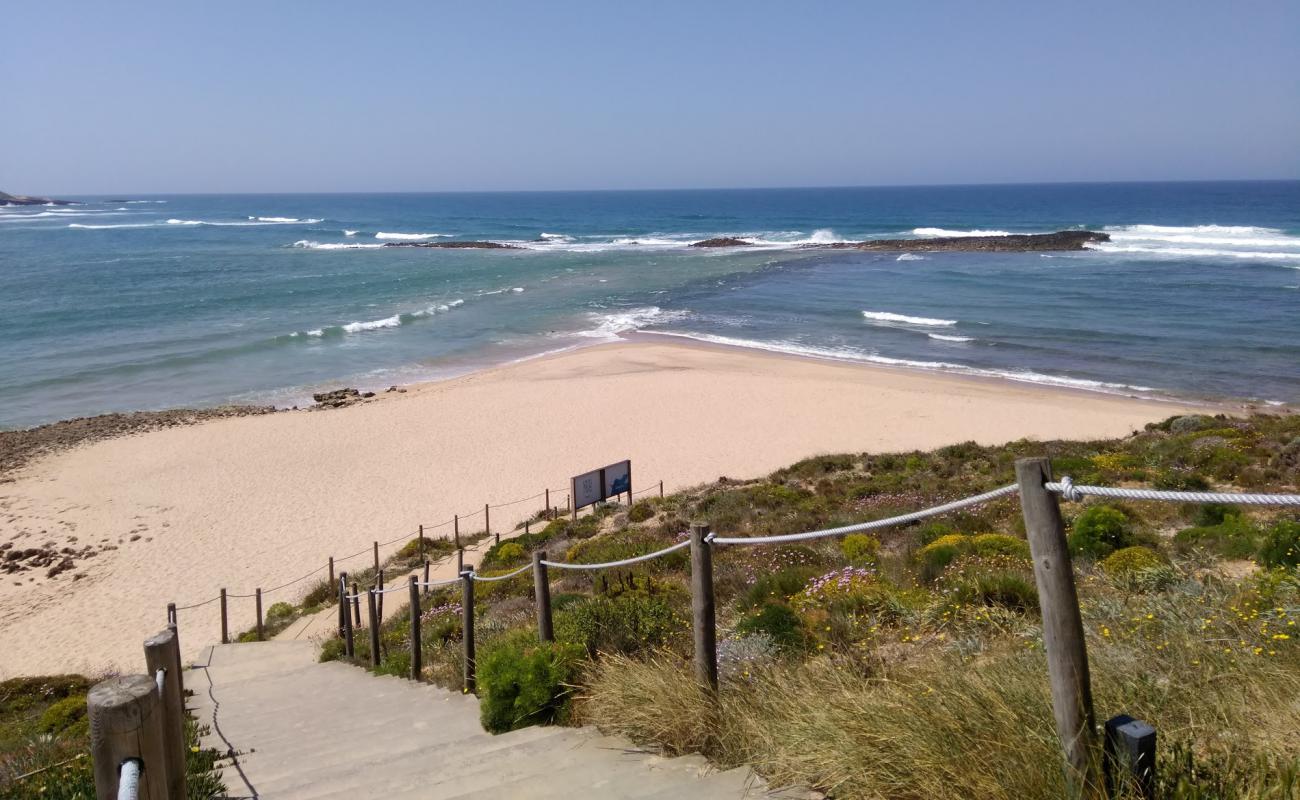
(708,539)
(1068,491)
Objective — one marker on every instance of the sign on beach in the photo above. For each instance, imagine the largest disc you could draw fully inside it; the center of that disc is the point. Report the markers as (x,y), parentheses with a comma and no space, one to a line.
(601,484)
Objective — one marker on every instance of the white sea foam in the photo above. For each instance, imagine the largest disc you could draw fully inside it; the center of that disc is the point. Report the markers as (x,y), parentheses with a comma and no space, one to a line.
(943,338)
(395,321)
(249,222)
(110,227)
(144,201)
(310,245)
(903,319)
(1193,252)
(1248,242)
(349,233)
(910,257)
(555,237)
(408,236)
(517,289)
(946,232)
(610,326)
(850,354)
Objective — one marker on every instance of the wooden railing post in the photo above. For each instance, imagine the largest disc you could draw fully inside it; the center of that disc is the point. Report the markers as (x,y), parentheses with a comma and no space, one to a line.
(258,595)
(379,600)
(426,570)
(376,558)
(331,570)
(467,626)
(225,620)
(372,617)
(487,522)
(126,723)
(661,490)
(548,504)
(1067,657)
(416,666)
(455,529)
(341,589)
(702,608)
(460,560)
(542,589)
(162,651)
(356,605)
(349,648)
(421,541)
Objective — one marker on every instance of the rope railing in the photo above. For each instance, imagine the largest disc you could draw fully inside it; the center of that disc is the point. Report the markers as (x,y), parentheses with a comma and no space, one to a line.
(128,780)
(377,591)
(436,584)
(621,563)
(1068,490)
(160,678)
(479,577)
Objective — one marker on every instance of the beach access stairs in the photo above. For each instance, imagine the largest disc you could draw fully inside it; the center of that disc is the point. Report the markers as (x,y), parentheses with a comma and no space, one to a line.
(296,728)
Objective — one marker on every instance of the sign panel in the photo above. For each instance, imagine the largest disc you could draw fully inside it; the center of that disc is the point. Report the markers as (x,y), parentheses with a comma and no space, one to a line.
(618,478)
(601,484)
(588,489)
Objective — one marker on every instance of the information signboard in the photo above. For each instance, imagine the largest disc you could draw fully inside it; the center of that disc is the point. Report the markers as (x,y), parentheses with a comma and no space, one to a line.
(601,484)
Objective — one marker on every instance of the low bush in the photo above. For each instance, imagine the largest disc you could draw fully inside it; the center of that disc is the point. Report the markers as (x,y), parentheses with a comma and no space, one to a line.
(641,512)
(626,623)
(993,580)
(779,623)
(999,544)
(279,611)
(507,555)
(1099,531)
(860,549)
(1138,568)
(941,552)
(1235,537)
(64,714)
(628,544)
(524,682)
(1281,545)
(778,586)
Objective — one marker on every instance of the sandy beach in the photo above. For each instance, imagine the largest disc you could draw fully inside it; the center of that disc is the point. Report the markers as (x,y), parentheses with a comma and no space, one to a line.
(260,500)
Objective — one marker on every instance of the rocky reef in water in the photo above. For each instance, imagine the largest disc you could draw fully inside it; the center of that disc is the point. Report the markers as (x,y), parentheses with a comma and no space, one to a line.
(23,200)
(1013,243)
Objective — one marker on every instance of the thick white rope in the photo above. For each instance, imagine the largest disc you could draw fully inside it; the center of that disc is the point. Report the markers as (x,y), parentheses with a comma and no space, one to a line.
(888,522)
(398,588)
(433,584)
(128,780)
(1069,491)
(479,577)
(353,596)
(622,563)
(160,678)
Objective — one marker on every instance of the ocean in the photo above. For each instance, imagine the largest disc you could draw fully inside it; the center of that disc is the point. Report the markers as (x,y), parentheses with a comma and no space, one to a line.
(149,302)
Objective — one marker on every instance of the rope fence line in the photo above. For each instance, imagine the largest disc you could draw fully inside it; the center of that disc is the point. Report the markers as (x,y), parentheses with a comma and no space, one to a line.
(1068,490)
(479,577)
(435,584)
(622,563)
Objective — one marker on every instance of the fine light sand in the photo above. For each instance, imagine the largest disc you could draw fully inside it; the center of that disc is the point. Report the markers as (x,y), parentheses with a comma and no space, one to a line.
(258,501)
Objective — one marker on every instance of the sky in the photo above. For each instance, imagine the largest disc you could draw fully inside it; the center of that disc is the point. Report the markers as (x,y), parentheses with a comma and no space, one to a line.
(326,96)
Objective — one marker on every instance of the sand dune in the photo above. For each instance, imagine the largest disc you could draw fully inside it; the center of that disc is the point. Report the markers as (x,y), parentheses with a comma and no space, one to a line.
(258,501)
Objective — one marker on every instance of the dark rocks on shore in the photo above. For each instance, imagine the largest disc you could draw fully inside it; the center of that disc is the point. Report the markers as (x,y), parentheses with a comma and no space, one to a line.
(339,398)
(24,200)
(1015,243)
(457,245)
(18,448)
(723,241)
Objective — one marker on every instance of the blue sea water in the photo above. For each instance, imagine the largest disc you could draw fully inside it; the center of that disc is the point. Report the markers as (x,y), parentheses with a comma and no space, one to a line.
(152,302)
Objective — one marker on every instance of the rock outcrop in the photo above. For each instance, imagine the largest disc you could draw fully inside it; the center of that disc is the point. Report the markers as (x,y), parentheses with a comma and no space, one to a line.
(1015,243)
(339,398)
(723,241)
(24,200)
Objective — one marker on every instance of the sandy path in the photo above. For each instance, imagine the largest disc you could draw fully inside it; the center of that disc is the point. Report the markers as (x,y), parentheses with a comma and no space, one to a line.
(258,501)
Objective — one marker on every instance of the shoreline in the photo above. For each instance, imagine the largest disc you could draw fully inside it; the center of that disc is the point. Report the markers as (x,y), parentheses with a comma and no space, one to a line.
(176,513)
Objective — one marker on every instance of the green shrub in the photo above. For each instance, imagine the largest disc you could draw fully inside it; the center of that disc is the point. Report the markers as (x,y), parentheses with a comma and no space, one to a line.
(930,531)
(860,549)
(626,623)
(1281,545)
(1234,537)
(628,544)
(941,552)
(279,610)
(992,580)
(641,512)
(524,682)
(778,586)
(1180,480)
(1000,544)
(63,714)
(509,553)
(1099,531)
(780,623)
(321,593)
(1138,568)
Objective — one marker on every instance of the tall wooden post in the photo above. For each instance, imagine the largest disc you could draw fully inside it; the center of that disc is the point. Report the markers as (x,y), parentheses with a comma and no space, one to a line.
(374,628)
(349,648)
(379,600)
(460,560)
(356,604)
(542,589)
(548,504)
(258,596)
(421,541)
(661,490)
(702,608)
(225,620)
(416,666)
(126,722)
(467,626)
(1067,657)
(426,570)
(331,570)
(376,558)
(455,529)
(487,522)
(340,589)
(162,651)
(525,527)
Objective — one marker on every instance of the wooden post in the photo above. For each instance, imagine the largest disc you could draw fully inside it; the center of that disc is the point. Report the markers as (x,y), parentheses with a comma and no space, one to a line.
(426,570)
(525,527)
(356,604)
(374,628)
(548,504)
(162,651)
(258,595)
(467,625)
(416,667)
(126,721)
(455,529)
(379,599)
(331,570)
(349,648)
(1067,657)
(702,608)
(661,490)
(460,560)
(340,589)
(542,588)
(376,558)
(225,620)
(487,523)
(421,541)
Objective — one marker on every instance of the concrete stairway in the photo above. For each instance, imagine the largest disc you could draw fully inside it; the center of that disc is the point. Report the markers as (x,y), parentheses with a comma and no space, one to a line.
(302,729)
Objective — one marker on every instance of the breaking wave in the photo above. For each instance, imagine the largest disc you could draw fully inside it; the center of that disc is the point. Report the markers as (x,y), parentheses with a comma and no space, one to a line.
(946,232)
(611,326)
(310,245)
(1247,242)
(414,237)
(395,321)
(903,319)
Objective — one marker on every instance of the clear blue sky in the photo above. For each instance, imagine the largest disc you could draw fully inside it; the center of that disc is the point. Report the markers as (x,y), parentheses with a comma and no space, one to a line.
(408,96)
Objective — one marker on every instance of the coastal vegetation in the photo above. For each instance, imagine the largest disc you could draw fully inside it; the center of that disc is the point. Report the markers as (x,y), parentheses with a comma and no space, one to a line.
(911,663)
